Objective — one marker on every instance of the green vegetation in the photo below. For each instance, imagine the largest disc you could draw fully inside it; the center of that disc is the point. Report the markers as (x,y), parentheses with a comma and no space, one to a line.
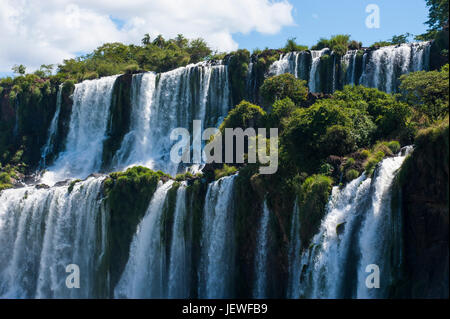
(244,115)
(284,86)
(5,181)
(292,46)
(224,171)
(340,44)
(427,92)
(437,19)
(312,199)
(72,185)
(128,195)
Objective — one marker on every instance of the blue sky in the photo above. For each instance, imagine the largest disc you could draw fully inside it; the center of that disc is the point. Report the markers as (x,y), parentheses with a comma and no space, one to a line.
(46,32)
(323,18)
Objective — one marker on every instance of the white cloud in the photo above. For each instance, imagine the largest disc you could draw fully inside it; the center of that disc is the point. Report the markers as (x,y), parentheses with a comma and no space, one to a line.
(43,32)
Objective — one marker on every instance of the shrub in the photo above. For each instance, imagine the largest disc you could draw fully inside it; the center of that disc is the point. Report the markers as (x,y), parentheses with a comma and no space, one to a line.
(326,169)
(349,162)
(364,153)
(244,115)
(224,171)
(427,92)
(394,146)
(283,86)
(72,185)
(351,174)
(313,197)
(281,109)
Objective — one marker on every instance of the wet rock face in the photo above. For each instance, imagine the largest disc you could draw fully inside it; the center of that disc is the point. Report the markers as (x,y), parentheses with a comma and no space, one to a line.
(426,221)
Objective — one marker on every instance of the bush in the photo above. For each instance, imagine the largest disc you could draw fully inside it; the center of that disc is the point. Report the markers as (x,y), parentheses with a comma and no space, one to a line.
(224,171)
(351,174)
(282,86)
(427,92)
(394,146)
(313,197)
(338,140)
(281,109)
(244,115)
(326,169)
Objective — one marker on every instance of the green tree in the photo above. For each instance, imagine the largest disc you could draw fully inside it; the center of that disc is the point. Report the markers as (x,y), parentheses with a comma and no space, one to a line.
(19,69)
(283,86)
(146,39)
(181,41)
(159,41)
(438,14)
(437,19)
(292,46)
(427,92)
(400,39)
(198,49)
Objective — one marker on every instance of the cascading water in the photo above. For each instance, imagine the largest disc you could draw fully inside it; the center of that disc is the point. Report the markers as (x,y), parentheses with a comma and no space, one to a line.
(385,65)
(381,68)
(145,274)
(260,288)
(88,123)
(217,246)
(314,78)
(294,255)
(171,100)
(48,147)
(42,231)
(179,265)
(349,63)
(355,233)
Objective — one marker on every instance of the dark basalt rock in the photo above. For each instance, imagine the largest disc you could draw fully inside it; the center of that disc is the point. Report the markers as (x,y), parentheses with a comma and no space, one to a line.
(42,186)
(62,183)
(425,209)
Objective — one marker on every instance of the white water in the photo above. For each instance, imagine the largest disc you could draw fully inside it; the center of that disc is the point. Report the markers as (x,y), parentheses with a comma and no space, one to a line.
(52,131)
(217,245)
(355,231)
(179,266)
(144,275)
(88,123)
(387,64)
(384,66)
(42,231)
(314,78)
(295,249)
(167,101)
(260,287)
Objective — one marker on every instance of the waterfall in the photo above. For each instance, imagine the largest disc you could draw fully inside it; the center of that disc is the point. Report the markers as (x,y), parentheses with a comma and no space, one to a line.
(348,61)
(52,131)
(179,266)
(42,231)
(420,56)
(135,145)
(217,246)
(171,100)
(87,129)
(356,232)
(285,64)
(387,64)
(314,76)
(145,272)
(381,67)
(294,256)
(260,288)
(375,238)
